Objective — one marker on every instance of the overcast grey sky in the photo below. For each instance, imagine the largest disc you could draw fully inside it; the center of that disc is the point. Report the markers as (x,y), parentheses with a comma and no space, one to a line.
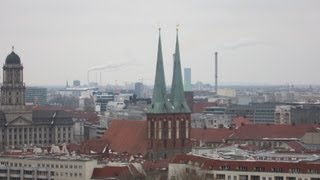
(259,41)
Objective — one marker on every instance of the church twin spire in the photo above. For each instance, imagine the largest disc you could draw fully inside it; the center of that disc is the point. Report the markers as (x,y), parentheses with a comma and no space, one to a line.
(177,92)
(160,103)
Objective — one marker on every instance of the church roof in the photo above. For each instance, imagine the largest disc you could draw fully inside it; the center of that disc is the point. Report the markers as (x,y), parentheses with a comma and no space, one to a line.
(127,136)
(13,58)
(44,117)
(160,103)
(177,93)
(51,117)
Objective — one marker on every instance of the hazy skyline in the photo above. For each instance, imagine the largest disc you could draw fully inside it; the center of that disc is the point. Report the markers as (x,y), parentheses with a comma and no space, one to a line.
(265,42)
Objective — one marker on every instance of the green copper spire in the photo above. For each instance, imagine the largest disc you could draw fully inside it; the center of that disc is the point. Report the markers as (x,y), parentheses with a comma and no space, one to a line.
(160,103)
(177,93)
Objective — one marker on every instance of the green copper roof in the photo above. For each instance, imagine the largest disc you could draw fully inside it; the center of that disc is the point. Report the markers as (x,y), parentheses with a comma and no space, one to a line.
(160,103)
(177,93)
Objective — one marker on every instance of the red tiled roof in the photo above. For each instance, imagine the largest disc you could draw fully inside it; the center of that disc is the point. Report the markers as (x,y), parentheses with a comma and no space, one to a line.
(94,146)
(210,134)
(261,131)
(73,147)
(149,165)
(127,136)
(199,107)
(240,121)
(295,146)
(85,115)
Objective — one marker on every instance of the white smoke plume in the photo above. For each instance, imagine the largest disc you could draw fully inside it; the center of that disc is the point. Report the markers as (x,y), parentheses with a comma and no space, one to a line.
(241,43)
(109,66)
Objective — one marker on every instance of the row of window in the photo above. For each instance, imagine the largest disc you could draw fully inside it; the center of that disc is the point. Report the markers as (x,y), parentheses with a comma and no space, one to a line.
(262,169)
(57,166)
(38,129)
(40,141)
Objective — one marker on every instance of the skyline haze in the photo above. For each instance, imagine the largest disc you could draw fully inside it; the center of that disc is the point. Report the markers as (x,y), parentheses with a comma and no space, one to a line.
(264,42)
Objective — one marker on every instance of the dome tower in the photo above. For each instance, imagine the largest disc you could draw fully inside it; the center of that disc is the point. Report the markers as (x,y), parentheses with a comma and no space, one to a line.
(13,88)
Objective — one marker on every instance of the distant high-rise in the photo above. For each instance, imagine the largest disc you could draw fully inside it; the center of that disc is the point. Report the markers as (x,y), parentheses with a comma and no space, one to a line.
(76,83)
(187,79)
(36,95)
(138,89)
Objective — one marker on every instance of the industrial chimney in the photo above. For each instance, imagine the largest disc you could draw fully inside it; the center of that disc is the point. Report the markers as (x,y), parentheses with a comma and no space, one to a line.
(216,75)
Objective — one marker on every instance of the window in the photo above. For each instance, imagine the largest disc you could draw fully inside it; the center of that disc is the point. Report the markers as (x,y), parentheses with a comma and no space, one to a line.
(260,169)
(242,168)
(209,176)
(225,167)
(221,176)
(278,178)
(294,170)
(187,170)
(290,178)
(276,169)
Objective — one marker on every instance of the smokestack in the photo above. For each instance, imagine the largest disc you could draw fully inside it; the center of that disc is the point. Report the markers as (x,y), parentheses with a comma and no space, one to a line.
(216,76)
(88,78)
(100,80)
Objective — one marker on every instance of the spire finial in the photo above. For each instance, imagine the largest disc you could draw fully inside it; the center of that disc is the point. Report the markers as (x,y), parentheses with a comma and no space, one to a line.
(159,29)
(177,28)
(12,48)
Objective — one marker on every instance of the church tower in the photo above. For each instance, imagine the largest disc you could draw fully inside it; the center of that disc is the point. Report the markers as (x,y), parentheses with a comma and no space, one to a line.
(168,128)
(13,88)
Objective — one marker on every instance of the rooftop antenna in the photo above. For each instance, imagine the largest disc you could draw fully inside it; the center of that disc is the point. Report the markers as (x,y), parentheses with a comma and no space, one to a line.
(12,48)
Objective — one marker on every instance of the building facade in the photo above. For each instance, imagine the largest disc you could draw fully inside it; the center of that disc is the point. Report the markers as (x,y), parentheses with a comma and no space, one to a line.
(20,126)
(46,167)
(207,168)
(101,100)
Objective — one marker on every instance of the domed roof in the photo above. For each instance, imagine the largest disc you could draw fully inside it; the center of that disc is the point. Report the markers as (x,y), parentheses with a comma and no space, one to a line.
(13,58)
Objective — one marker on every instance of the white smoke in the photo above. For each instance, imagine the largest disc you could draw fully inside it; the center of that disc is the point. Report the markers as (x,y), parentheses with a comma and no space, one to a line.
(241,43)
(109,66)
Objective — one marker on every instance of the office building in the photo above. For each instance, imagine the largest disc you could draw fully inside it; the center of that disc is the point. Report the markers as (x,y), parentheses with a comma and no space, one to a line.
(36,95)
(76,83)
(187,79)
(138,89)
(101,100)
